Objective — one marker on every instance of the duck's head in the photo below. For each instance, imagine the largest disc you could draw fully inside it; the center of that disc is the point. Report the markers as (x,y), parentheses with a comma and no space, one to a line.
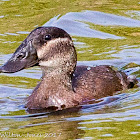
(49,47)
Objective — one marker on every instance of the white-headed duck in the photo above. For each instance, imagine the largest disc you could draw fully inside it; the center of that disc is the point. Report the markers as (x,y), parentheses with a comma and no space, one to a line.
(63,84)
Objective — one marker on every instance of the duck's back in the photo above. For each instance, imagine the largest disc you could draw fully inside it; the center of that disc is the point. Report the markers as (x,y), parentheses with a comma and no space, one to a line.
(99,81)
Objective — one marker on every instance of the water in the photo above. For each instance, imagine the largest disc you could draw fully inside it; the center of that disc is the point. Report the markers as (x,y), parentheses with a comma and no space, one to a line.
(104,32)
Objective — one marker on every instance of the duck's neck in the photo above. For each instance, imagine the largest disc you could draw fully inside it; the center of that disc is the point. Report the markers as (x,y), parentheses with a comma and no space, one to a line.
(57,79)
(55,89)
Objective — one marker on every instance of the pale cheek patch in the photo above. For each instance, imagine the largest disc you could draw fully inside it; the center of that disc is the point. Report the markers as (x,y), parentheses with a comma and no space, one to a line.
(41,52)
(56,61)
(50,63)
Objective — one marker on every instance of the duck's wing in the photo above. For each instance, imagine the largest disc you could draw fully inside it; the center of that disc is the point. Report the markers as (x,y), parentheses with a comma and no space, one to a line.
(100,81)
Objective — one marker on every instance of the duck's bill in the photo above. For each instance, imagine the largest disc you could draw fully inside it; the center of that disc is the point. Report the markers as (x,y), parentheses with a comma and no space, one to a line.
(24,57)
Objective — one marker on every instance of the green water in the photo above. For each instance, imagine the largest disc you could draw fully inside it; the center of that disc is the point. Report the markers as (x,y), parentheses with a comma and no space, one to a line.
(104,32)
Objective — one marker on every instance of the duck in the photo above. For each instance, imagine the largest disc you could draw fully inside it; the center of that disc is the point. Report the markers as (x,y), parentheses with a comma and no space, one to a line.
(63,84)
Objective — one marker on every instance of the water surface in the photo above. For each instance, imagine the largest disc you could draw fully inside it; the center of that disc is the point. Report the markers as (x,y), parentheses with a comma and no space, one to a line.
(104,32)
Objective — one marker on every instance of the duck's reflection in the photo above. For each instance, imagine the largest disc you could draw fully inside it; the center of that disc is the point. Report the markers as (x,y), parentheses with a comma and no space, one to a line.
(54,125)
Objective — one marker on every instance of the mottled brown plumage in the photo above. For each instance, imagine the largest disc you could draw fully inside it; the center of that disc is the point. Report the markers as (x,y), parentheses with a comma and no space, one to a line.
(63,85)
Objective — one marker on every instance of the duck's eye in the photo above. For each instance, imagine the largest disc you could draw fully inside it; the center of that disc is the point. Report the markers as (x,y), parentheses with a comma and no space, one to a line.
(48,37)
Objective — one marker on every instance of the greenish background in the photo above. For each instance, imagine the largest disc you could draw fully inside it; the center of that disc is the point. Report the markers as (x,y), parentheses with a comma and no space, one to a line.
(117,120)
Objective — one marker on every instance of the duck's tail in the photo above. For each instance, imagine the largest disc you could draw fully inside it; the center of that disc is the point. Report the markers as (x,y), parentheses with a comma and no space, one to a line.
(127,81)
(132,81)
